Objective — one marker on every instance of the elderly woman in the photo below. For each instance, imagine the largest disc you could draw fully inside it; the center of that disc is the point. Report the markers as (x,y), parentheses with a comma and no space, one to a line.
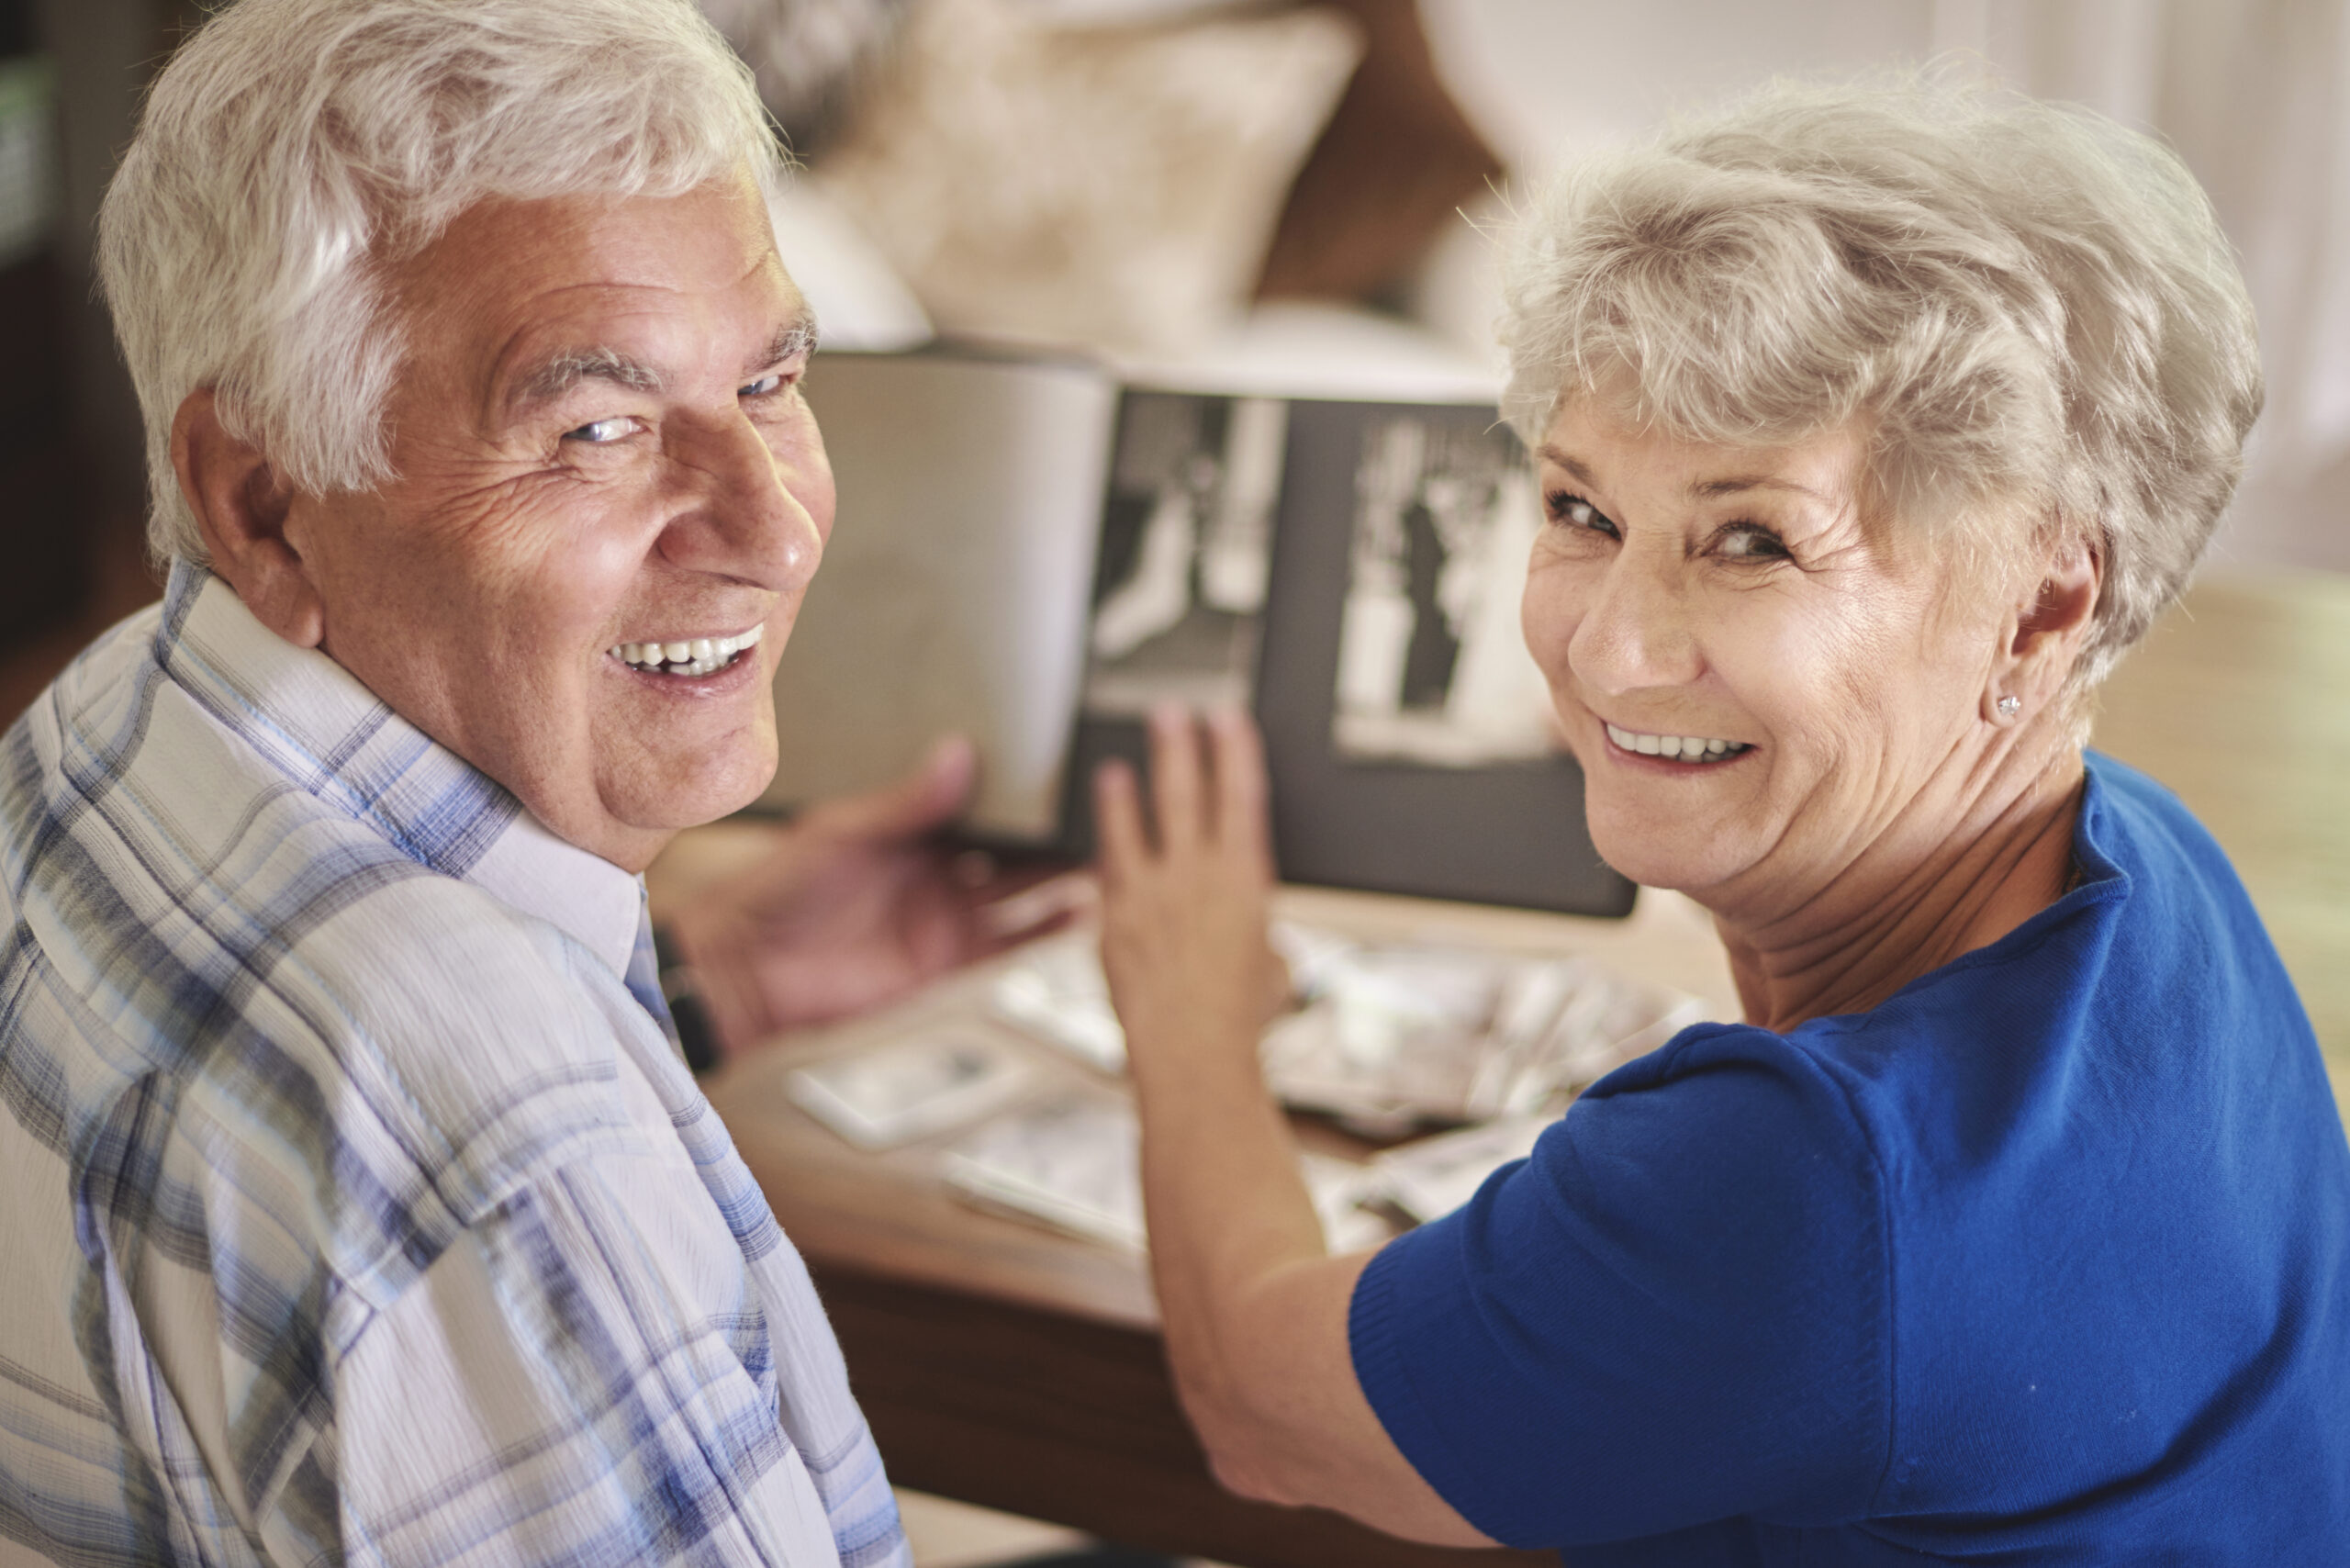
(2014,1221)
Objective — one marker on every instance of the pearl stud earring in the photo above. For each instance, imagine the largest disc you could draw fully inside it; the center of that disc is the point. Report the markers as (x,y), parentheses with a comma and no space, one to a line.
(2008,706)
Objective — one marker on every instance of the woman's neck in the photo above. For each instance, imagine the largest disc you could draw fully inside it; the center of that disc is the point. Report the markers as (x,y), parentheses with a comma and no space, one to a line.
(1917,899)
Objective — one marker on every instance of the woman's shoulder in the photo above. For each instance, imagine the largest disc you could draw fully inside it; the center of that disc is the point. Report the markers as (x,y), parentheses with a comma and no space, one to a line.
(2147,993)
(1731,1120)
(2156,940)
(2133,824)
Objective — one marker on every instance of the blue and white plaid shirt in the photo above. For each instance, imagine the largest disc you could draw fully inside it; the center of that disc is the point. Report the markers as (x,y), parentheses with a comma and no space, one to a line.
(354,1207)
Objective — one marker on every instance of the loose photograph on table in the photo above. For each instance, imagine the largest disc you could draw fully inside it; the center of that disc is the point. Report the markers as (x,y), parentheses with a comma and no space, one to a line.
(1186,544)
(1432,667)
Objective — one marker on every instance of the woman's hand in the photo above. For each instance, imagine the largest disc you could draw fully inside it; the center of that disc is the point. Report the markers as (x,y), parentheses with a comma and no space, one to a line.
(1186,886)
(1254,1308)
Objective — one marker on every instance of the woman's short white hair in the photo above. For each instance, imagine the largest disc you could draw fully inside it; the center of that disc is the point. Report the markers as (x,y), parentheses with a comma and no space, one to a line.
(295,149)
(2026,302)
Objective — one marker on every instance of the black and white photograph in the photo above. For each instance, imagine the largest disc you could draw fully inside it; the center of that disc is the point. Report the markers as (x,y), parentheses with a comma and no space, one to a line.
(1432,667)
(1186,546)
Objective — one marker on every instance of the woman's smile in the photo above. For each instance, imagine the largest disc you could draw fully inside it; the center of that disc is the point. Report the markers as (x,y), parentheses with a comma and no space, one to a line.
(1690,751)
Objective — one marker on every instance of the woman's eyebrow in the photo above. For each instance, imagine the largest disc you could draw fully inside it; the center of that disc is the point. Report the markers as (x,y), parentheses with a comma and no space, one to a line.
(1575,467)
(1709,490)
(1700,489)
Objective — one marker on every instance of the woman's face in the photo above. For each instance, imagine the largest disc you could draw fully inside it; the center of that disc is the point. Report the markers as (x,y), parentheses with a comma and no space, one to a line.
(1759,688)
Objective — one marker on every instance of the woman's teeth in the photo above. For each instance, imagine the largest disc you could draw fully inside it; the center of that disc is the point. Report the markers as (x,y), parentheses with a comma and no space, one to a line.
(700,656)
(1686,748)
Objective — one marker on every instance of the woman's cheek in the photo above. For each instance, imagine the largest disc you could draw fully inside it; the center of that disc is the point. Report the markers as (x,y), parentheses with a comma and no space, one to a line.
(1547,614)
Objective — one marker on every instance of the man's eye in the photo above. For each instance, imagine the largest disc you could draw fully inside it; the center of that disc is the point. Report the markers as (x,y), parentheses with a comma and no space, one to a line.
(1572,512)
(765,386)
(1750,541)
(603,432)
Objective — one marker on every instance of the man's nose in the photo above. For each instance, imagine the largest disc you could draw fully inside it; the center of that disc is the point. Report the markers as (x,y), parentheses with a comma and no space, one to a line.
(1635,631)
(756,513)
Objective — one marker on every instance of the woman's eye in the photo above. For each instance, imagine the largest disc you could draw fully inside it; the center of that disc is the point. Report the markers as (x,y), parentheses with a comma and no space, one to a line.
(1750,541)
(1573,511)
(601,432)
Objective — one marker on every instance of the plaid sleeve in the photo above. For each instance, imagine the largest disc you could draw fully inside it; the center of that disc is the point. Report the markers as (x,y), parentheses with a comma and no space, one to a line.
(584,1378)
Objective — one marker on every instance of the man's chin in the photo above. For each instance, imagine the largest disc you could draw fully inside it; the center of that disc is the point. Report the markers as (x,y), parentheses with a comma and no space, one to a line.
(694,804)
(686,781)
(628,819)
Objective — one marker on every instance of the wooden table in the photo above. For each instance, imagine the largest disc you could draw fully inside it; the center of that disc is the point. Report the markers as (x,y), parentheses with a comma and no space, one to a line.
(1008,1366)
(1004,1365)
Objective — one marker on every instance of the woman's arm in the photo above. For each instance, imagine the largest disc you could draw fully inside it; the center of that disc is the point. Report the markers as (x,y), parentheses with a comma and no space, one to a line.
(1254,1309)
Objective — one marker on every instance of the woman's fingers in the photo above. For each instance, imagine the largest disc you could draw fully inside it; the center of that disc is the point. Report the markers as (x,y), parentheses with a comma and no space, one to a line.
(1240,789)
(1208,796)
(1175,784)
(1117,822)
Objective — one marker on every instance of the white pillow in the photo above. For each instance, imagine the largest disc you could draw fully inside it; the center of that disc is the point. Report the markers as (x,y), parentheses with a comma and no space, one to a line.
(1300,348)
(1112,187)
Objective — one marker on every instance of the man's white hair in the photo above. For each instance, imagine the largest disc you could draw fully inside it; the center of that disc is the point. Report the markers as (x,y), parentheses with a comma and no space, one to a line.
(293,151)
(2024,302)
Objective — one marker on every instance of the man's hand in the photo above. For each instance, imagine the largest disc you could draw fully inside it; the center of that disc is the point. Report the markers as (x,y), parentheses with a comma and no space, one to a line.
(853,906)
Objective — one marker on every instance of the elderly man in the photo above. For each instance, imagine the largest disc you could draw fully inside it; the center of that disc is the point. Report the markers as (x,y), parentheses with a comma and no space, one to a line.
(356,1203)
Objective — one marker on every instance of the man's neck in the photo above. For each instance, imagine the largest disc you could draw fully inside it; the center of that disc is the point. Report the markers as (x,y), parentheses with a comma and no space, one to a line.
(1964,864)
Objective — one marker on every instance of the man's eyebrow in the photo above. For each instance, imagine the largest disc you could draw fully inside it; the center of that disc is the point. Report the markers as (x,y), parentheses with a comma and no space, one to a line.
(566,368)
(560,372)
(788,343)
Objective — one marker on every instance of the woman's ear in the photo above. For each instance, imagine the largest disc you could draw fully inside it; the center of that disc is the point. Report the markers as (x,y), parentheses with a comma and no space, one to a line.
(2043,637)
(241,503)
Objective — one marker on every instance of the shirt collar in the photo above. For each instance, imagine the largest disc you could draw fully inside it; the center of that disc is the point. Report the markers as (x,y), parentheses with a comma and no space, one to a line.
(312,721)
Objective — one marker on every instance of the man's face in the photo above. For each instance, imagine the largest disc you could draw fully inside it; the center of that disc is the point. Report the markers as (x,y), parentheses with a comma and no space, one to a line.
(600,445)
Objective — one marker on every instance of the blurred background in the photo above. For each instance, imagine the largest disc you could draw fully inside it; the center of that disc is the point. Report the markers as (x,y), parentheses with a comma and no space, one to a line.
(1165,180)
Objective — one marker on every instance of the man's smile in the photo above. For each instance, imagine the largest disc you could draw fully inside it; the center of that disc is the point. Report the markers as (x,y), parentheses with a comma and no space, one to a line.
(686,656)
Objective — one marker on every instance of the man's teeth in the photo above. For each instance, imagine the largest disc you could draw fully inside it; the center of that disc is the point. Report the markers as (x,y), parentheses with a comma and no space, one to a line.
(1687,748)
(699,655)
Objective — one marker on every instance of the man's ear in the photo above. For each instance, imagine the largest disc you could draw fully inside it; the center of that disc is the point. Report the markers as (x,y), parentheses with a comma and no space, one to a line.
(241,503)
(2045,637)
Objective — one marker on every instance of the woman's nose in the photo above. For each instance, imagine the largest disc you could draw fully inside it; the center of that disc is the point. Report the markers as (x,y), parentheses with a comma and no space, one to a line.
(1635,631)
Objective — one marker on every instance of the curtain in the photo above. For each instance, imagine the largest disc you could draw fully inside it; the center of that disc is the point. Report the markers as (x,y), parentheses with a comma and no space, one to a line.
(2255,95)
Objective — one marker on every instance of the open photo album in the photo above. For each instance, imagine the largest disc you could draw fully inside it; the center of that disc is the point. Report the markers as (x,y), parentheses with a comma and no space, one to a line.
(1034,552)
